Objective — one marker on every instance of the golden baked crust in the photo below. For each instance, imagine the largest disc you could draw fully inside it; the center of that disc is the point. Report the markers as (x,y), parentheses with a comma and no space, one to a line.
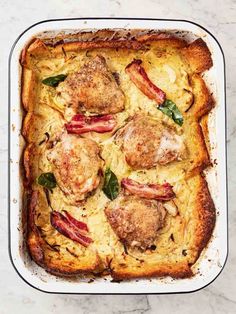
(174,65)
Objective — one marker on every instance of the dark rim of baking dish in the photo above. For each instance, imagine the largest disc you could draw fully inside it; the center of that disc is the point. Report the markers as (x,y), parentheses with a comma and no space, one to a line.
(9,130)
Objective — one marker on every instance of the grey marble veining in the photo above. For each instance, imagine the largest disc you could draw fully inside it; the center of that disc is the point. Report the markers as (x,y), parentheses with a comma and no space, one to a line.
(220,18)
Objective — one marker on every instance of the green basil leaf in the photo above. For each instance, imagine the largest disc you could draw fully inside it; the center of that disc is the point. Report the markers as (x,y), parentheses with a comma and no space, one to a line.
(111,185)
(47,180)
(171,110)
(53,81)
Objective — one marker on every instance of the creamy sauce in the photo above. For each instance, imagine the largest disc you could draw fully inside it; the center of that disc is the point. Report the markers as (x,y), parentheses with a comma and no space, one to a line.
(170,74)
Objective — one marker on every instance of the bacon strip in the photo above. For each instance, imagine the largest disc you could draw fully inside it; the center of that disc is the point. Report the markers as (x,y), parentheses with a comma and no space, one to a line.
(140,78)
(83,124)
(79,224)
(69,229)
(162,192)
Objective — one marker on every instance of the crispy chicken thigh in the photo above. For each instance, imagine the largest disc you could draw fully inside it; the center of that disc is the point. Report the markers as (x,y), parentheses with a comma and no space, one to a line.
(76,166)
(147,142)
(136,220)
(93,88)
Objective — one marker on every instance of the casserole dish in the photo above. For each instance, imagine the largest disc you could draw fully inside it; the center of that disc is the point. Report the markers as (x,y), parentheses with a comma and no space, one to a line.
(215,254)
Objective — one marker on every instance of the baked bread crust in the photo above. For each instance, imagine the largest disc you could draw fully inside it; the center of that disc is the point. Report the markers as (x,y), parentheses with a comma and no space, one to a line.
(192,227)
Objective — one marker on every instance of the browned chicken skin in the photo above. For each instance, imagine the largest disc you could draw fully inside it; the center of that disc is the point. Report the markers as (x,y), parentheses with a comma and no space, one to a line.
(93,88)
(147,142)
(136,220)
(76,164)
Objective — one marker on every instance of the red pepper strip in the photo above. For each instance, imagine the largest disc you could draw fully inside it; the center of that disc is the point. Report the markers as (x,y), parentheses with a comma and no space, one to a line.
(68,229)
(83,124)
(79,224)
(139,77)
(162,192)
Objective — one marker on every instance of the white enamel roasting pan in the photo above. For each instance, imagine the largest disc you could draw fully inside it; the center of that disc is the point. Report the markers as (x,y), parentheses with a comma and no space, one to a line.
(212,259)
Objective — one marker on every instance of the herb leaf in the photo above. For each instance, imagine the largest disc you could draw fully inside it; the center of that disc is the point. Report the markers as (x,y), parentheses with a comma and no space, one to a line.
(171,110)
(47,180)
(53,81)
(111,185)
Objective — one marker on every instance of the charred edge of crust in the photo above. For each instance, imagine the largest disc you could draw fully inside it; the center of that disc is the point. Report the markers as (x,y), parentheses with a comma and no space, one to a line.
(37,46)
(99,39)
(198,169)
(203,100)
(27,123)
(167,38)
(202,105)
(205,131)
(206,162)
(178,272)
(198,56)
(124,44)
(34,239)
(62,271)
(207,215)
(27,92)
(24,56)
(203,152)
(109,35)
(104,34)
(27,156)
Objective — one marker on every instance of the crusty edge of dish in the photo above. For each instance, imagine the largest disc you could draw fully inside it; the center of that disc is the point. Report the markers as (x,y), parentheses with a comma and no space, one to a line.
(196,53)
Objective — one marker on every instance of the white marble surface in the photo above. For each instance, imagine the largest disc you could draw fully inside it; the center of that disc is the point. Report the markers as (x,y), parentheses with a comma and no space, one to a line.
(220,18)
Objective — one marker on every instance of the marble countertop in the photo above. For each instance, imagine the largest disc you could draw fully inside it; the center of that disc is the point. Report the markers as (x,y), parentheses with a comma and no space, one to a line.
(217,16)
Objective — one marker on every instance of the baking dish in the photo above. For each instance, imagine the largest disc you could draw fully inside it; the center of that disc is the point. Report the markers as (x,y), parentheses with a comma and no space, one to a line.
(213,258)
